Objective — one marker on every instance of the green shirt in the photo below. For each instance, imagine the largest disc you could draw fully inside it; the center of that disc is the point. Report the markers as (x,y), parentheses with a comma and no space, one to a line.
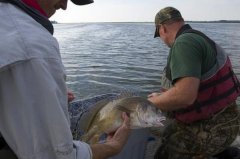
(190,56)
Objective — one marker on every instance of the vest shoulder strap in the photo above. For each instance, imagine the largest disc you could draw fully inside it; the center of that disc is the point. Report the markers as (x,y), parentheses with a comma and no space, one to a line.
(210,41)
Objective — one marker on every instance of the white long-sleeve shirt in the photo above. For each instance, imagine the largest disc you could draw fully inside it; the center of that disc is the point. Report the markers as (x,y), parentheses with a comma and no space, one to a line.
(34,118)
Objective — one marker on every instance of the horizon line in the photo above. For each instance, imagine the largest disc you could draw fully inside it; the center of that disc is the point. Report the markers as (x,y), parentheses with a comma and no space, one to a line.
(193,21)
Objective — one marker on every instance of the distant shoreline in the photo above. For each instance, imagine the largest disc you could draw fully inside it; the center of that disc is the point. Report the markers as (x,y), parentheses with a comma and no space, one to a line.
(217,21)
(54,22)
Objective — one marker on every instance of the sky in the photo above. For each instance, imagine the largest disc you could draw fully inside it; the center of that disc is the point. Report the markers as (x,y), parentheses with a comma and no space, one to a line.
(145,10)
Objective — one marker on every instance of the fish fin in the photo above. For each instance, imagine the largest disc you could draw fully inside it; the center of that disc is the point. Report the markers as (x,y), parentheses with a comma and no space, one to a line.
(92,136)
(124,94)
(84,138)
(94,139)
(129,104)
(88,117)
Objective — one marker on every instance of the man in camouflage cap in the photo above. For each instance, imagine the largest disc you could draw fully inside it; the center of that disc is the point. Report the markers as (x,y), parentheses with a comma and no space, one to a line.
(199,92)
(168,13)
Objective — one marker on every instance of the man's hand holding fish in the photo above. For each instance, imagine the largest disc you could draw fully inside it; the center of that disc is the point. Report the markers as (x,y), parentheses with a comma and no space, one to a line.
(114,142)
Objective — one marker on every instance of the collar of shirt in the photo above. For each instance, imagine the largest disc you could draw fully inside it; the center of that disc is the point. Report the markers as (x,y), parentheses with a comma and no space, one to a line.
(35,5)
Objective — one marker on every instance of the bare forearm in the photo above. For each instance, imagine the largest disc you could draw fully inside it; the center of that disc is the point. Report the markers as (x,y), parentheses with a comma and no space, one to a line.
(182,94)
(170,100)
(103,151)
(114,142)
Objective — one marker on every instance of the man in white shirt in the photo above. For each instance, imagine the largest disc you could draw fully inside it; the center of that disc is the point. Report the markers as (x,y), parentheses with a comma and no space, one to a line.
(34,120)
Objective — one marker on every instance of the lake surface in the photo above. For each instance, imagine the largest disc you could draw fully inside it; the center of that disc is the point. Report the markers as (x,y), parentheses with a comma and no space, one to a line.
(114,57)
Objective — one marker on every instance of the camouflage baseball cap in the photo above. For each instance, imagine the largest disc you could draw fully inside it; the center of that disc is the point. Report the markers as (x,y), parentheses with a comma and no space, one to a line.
(164,15)
(82,2)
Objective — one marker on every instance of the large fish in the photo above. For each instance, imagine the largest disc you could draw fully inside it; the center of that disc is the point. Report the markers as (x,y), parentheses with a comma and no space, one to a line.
(106,115)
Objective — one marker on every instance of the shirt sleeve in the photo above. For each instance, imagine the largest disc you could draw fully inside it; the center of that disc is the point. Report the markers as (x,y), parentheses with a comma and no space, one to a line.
(185,60)
(34,118)
(83,150)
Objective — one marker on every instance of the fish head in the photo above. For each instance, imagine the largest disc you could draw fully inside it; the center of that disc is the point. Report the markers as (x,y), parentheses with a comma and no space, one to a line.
(142,112)
(149,115)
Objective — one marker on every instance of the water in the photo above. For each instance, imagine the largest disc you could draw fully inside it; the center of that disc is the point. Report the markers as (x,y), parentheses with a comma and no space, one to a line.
(111,57)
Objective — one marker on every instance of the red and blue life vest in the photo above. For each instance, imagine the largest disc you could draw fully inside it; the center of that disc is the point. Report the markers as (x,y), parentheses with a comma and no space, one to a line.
(219,87)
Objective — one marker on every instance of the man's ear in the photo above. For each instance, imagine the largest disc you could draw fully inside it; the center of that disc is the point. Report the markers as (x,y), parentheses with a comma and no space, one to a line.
(164,28)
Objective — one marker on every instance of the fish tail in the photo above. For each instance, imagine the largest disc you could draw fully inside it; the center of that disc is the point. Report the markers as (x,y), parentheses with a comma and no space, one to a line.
(87,137)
